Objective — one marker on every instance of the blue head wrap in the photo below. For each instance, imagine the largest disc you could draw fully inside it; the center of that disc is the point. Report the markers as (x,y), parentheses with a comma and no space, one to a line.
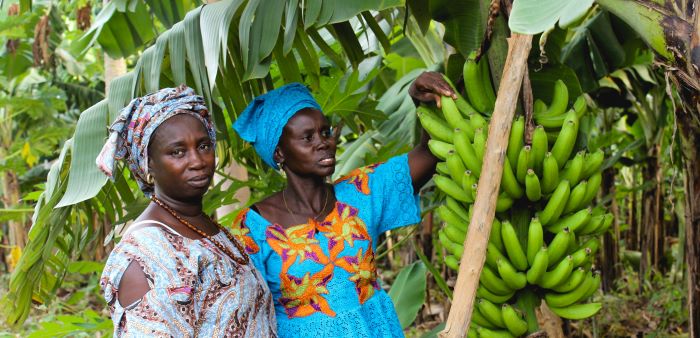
(261,123)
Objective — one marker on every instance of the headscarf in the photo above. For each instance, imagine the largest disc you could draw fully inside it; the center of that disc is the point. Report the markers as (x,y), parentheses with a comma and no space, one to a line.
(261,123)
(130,134)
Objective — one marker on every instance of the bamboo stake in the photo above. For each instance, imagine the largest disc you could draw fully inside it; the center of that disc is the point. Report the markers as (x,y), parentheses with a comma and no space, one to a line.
(487,192)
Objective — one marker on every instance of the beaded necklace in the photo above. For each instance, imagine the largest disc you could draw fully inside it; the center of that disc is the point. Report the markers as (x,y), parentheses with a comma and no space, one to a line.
(239,260)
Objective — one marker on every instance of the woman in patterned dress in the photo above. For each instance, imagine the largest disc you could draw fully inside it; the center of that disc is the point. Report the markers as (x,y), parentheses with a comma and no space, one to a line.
(315,242)
(176,272)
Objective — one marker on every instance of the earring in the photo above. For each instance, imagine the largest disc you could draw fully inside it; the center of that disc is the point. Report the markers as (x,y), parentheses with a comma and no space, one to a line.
(149,179)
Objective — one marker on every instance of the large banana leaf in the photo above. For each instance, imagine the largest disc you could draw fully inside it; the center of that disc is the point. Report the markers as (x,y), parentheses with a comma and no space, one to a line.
(124,26)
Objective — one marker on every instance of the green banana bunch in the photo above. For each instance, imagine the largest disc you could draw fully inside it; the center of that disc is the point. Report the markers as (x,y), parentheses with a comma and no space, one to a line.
(549,178)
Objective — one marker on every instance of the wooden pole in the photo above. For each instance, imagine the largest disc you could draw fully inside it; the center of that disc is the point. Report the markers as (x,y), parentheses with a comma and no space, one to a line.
(485,205)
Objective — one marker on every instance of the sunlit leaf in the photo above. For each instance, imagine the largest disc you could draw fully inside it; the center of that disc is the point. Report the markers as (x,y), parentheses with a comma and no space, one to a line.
(537,16)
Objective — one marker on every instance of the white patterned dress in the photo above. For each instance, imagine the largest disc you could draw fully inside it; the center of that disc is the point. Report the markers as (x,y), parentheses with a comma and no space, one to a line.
(196,290)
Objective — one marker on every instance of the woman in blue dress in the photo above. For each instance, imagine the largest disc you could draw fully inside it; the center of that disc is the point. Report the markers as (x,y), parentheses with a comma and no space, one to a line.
(315,242)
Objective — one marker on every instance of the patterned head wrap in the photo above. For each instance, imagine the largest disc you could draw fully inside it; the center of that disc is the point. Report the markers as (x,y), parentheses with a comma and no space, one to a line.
(130,134)
(261,123)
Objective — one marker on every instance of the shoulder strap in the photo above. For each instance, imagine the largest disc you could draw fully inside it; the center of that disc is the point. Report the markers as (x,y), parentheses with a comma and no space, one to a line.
(140,225)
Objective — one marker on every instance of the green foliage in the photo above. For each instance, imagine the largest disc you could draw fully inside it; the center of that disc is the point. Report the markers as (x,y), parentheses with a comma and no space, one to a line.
(408,292)
(537,16)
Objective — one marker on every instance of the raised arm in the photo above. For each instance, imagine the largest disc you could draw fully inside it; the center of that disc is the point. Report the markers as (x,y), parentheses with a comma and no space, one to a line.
(427,88)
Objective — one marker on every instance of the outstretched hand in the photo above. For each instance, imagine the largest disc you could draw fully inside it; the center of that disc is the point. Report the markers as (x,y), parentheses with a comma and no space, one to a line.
(429,87)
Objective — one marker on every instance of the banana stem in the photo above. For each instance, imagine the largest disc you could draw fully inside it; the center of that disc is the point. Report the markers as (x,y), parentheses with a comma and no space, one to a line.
(527,302)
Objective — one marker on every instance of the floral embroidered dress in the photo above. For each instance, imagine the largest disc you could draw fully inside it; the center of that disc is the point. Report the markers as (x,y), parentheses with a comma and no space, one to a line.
(196,290)
(322,275)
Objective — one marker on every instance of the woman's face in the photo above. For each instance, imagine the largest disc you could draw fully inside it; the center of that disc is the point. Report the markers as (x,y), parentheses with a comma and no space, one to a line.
(307,146)
(181,158)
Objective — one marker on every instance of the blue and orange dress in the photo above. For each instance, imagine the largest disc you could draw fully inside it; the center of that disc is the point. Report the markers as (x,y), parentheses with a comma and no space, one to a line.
(322,275)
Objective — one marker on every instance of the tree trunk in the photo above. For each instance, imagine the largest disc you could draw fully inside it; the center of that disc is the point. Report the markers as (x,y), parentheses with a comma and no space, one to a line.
(690,138)
(611,250)
(631,233)
(10,198)
(649,216)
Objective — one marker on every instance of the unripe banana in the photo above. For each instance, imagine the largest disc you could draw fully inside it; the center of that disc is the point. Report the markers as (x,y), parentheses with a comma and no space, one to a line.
(552,122)
(550,173)
(464,148)
(452,262)
(464,107)
(484,332)
(441,168)
(580,106)
(539,107)
(479,319)
(451,188)
(538,267)
(503,203)
(566,140)
(452,115)
(523,164)
(450,112)
(573,221)
(479,142)
(473,86)
(468,180)
(491,312)
(592,188)
(556,204)
(509,182)
(607,222)
(577,311)
(593,243)
(532,186)
(572,170)
(455,234)
(436,127)
(482,292)
(493,254)
(439,148)
(513,320)
(539,148)
(560,99)
(515,140)
(477,121)
(575,201)
(493,283)
(559,274)
(535,239)
(456,249)
(457,208)
(513,248)
(571,297)
(594,223)
(456,167)
(557,248)
(495,235)
(581,256)
(472,191)
(577,277)
(514,279)
(594,287)
(593,163)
